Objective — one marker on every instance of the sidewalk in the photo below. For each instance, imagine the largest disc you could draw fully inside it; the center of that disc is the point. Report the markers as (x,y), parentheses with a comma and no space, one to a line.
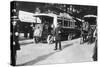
(26,42)
(30,41)
(43,53)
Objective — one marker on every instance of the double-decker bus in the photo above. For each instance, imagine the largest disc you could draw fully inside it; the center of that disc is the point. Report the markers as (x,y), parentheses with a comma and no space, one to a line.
(48,22)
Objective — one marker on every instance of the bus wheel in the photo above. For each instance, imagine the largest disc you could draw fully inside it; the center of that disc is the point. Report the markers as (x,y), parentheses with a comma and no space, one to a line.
(69,37)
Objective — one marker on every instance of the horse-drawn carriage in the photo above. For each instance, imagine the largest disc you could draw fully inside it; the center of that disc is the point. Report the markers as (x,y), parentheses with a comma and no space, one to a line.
(89,28)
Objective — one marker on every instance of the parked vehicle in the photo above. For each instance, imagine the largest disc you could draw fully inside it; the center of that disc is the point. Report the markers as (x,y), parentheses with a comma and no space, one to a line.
(69,27)
(90,27)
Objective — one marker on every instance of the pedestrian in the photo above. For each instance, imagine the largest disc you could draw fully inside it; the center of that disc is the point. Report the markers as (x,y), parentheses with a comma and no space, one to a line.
(85,28)
(57,37)
(38,33)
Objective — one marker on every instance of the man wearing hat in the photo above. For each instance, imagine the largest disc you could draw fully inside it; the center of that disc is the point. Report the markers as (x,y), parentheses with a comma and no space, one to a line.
(57,37)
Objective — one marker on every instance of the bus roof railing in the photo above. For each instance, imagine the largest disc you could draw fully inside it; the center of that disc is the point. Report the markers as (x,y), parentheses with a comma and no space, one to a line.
(44,14)
(51,15)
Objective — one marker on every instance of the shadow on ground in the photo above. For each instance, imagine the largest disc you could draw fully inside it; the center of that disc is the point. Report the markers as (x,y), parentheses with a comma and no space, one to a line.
(38,59)
(26,43)
(41,58)
(67,45)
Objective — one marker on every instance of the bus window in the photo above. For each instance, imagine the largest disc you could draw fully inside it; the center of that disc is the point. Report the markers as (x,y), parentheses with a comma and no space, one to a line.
(38,20)
(60,22)
(66,23)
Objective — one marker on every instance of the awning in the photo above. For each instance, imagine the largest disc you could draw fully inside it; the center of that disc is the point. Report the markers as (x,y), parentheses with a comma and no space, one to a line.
(26,17)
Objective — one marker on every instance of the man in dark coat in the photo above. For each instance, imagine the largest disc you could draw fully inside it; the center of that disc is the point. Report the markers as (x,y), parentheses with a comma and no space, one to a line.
(57,37)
